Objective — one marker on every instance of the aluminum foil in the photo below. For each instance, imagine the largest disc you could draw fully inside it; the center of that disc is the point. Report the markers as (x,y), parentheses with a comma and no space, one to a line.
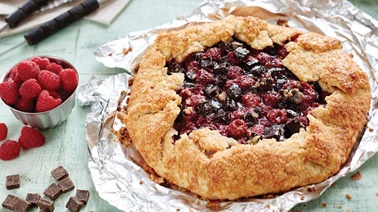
(116,171)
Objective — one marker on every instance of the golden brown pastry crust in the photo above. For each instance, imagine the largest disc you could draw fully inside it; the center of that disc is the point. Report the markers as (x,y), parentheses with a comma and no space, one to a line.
(217,167)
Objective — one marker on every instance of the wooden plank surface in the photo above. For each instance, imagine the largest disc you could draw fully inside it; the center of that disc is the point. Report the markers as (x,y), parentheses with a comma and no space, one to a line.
(66,144)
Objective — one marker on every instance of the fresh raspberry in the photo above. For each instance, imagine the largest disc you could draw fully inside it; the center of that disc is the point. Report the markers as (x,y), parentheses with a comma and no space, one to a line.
(47,100)
(30,89)
(55,68)
(63,94)
(49,80)
(3,131)
(25,105)
(15,77)
(9,150)
(31,138)
(9,92)
(41,62)
(27,69)
(69,79)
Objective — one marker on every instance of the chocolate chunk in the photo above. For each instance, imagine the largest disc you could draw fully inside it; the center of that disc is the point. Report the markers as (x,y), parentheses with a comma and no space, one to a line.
(13,181)
(46,204)
(33,199)
(22,205)
(66,184)
(53,191)
(82,195)
(59,173)
(10,202)
(74,204)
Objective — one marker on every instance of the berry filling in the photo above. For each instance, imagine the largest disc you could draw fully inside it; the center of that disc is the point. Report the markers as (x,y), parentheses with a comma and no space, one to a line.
(244,93)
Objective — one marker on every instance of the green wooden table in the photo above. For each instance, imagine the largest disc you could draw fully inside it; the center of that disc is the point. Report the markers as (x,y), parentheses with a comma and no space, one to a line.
(66,143)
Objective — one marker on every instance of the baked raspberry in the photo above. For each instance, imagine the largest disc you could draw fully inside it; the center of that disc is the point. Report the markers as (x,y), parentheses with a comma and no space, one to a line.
(251,100)
(234,72)
(30,89)
(49,80)
(9,150)
(24,104)
(69,79)
(41,62)
(237,129)
(277,116)
(55,68)
(213,53)
(3,131)
(9,92)
(30,138)
(47,100)
(27,69)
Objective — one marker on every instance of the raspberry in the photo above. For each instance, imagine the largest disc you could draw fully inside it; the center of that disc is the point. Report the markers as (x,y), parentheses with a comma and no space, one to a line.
(25,105)
(49,80)
(9,150)
(63,94)
(9,92)
(237,128)
(30,138)
(214,53)
(41,62)
(47,100)
(30,89)
(15,77)
(55,68)
(27,69)
(234,72)
(69,79)
(3,131)
(251,100)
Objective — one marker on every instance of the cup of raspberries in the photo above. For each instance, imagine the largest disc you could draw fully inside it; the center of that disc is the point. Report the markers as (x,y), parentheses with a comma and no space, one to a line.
(40,91)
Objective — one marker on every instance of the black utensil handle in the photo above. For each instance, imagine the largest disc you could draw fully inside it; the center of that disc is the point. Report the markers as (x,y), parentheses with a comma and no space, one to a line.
(61,21)
(23,12)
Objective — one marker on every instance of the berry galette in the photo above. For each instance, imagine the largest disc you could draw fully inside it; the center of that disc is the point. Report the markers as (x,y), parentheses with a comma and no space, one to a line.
(240,108)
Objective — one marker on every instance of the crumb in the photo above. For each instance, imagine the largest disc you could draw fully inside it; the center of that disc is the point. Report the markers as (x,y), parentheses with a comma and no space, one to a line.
(324,204)
(110,54)
(333,185)
(140,182)
(302,197)
(125,51)
(311,189)
(376,194)
(356,176)
(281,22)
(370,129)
(268,206)
(348,196)
(178,209)
(340,206)
(213,205)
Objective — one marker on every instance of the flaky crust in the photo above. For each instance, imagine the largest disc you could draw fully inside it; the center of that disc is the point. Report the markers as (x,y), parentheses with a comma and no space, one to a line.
(217,167)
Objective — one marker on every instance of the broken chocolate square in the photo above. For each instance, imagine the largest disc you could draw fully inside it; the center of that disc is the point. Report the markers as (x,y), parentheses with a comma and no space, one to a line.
(74,204)
(13,181)
(33,199)
(10,202)
(53,191)
(66,184)
(59,173)
(82,195)
(46,204)
(21,205)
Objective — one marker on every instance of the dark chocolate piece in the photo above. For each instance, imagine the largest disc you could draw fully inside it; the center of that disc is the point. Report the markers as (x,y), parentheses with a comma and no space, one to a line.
(53,191)
(33,199)
(82,195)
(46,204)
(59,173)
(13,181)
(74,204)
(10,202)
(22,205)
(66,184)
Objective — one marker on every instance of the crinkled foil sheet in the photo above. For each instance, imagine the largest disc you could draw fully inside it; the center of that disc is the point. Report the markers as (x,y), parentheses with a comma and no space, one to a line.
(116,171)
